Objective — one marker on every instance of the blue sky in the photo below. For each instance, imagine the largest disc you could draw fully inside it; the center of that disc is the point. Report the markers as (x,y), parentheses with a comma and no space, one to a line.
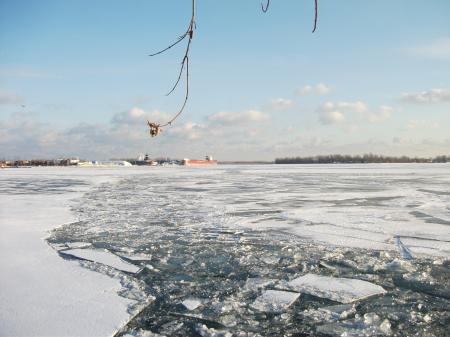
(76,78)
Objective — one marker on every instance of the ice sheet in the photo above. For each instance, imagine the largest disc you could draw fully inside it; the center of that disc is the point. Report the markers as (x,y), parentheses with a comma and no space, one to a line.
(342,290)
(40,293)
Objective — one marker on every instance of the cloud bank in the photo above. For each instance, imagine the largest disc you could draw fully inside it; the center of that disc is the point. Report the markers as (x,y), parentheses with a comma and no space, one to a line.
(430,96)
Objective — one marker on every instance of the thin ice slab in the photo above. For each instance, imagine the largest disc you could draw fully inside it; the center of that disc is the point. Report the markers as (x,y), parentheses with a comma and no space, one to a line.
(275,300)
(342,290)
(102,256)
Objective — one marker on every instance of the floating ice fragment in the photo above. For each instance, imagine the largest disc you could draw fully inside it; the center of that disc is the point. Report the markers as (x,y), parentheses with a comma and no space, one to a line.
(404,251)
(192,303)
(137,256)
(274,300)
(150,267)
(331,313)
(367,326)
(339,311)
(102,256)
(141,333)
(255,283)
(78,244)
(342,290)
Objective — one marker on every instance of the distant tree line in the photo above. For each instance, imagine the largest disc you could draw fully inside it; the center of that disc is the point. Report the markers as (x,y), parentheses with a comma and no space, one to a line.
(358,159)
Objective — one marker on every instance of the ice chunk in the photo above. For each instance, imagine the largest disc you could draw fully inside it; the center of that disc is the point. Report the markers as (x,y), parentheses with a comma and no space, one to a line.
(342,290)
(368,325)
(102,256)
(137,256)
(404,251)
(331,313)
(192,303)
(274,300)
(150,267)
(78,244)
(257,283)
(340,310)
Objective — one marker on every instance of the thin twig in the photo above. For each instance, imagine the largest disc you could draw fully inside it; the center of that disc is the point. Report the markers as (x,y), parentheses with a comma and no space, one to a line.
(264,9)
(315,15)
(155,128)
(181,38)
(185,98)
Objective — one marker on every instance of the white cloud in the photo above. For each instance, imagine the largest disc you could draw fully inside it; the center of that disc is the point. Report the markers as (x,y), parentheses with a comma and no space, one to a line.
(430,96)
(9,98)
(414,124)
(436,49)
(304,90)
(321,89)
(138,116)
(331,116)
(337,112)
(359,107)
(244,117)
(384,112)
(189,131)
(281,103)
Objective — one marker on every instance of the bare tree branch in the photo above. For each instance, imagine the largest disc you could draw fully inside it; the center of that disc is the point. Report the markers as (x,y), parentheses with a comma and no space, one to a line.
(267,6)
(155,129)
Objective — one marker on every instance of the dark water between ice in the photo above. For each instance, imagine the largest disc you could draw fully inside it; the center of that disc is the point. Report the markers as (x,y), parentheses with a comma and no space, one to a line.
(210,242)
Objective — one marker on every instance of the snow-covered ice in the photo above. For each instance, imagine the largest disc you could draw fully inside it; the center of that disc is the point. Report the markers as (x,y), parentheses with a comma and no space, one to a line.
(40,293)
(232,237)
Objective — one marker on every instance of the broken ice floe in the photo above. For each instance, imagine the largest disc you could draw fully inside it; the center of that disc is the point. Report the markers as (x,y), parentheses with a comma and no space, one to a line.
(255,283)
(192,303)
(342,290)
(102,256)
(136,256)
(274,300)
(404,251)
(368,325)
(331,313)
(78,244)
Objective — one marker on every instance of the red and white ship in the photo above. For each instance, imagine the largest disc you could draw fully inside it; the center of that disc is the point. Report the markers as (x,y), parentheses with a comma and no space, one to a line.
(199,162)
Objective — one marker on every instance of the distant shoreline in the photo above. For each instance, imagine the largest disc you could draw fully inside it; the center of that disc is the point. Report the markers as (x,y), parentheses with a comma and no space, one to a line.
(321,159)
(358,159)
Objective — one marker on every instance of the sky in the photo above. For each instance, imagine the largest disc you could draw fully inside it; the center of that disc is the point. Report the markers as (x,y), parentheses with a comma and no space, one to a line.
(76,78)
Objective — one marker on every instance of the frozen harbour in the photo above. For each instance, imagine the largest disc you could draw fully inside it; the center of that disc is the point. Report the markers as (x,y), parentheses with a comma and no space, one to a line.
(328,250)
